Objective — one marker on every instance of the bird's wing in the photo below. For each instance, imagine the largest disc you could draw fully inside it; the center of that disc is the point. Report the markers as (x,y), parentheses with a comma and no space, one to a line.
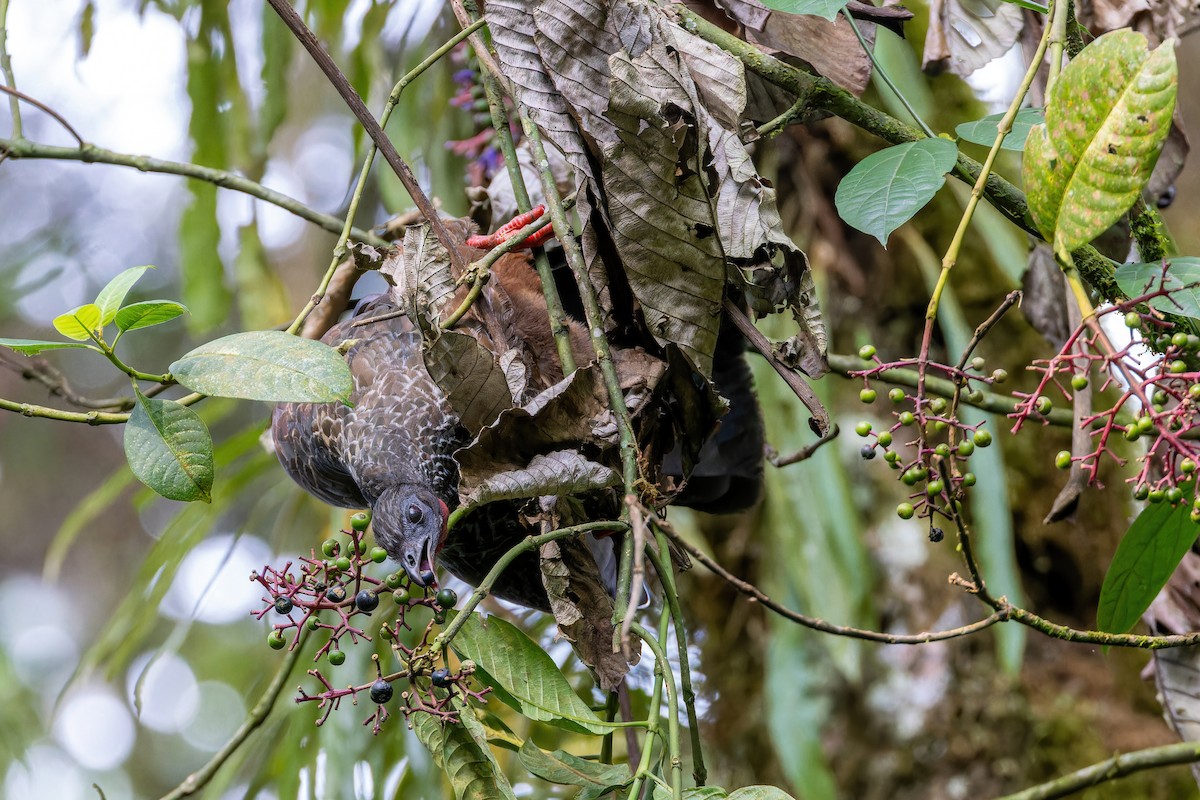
(308,443)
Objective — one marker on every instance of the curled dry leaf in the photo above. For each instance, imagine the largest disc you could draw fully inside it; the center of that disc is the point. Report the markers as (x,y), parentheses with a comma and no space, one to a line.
(964,35)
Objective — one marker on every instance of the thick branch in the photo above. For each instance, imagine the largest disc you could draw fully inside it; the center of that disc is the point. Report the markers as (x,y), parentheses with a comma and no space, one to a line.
(1116,767)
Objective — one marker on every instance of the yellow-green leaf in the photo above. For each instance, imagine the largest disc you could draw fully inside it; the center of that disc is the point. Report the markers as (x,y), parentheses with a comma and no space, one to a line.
(266,365)
(1106,119)
(80,323)
(111,296)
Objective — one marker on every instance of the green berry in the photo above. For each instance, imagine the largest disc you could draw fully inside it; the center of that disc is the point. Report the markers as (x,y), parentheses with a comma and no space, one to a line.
(360,521)
(939,426)
(1187,466)
(1157,495)
(1043,405)
(1179,339)
(982,438)
(999,375)
(401,596)
(1141,492)
(866,352)
(1159,398)
(1145,424)
(1194,391)
(909,478)
(1195,515)
(921,473)
(942,450)
(975,397)
(1193,342)
(934,488)
(1133,319)
(378,555)
(447,598)
(275,639)
(342,563)
(313,623)
(966,448)
(896,395)
(1132,433)
(968,479)
(1174,495)
(439,617)
(385,632)
(977,363)
(891,456)
(330,547)
(1177,366)
(393,581)
(337,657)
(884,439)
(937,405)
(868,396)
(907,418)
(360,546)
(863,428)
(1079,383)
(1063,459)
(381,691)
(905,511)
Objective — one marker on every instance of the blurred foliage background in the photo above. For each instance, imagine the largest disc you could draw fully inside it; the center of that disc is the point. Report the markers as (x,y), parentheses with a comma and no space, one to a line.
(129,655)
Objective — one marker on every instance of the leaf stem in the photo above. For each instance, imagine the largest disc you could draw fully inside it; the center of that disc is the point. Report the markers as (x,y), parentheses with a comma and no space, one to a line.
(660,662)
(14,105)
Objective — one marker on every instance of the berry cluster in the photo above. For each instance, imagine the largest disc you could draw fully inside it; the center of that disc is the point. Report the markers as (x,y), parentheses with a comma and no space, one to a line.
(1158,402)
(333,596)
(936,442)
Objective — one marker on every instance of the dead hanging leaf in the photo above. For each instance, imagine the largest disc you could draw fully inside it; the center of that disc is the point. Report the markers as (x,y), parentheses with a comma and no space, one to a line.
(474,384)
(564,472)
(831,48)
(583,609)
(1157,19)
(658,112)
(966,34)
(1176,670)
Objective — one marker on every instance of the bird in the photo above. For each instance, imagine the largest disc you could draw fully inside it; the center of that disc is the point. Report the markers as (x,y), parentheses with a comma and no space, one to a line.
(392,448)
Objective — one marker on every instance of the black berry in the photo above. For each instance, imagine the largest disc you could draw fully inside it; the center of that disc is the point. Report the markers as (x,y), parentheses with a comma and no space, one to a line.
(366,601)
(283,605)
(335,594)
(441,677)
(381,691)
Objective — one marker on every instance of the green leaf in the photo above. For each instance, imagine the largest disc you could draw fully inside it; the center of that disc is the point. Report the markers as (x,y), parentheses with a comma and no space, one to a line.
(817,8)
(1145,559)
(1106,119)
(31,347)
(266,365)
(80,323)
(983,131)
(1182,280)
(885,189)
(151,312)
(169,449)
(760,793)
(694,793)
(461,751)
(112,295)
(561,767)
(522,675)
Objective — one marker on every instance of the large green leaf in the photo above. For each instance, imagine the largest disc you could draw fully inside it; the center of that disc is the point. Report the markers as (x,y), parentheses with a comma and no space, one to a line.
(1145,559)
(111,296)
(694,793)
(1106,119)
(80,323)
(522,675)
(818,8)
(596,779)
(983,131)
(885,189)
(760,793)
(461,751)
(31,347)
(1182,280)
(144,315)
(169,449)
(266,365)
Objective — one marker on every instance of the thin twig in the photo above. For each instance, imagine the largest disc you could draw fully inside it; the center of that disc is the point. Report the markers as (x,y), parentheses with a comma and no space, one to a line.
(91,154)
(14,107)
(200,778)
(661,663)
(637,525)
(355,103)
(39,370)
(38,104)
(804,453)
(1116,767)
(757,595)
(1011,299)
(820,417)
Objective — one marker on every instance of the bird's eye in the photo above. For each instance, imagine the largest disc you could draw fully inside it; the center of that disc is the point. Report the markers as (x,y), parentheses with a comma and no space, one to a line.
(414,514)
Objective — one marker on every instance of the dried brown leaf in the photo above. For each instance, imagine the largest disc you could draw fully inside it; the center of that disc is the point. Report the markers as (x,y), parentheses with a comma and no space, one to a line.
(964,35)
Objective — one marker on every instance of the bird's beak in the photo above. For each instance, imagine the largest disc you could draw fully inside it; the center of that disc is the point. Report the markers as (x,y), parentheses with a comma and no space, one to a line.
(418,563)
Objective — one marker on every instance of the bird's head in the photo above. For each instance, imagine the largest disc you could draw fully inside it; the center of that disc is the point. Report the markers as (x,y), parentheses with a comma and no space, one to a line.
(410,524)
